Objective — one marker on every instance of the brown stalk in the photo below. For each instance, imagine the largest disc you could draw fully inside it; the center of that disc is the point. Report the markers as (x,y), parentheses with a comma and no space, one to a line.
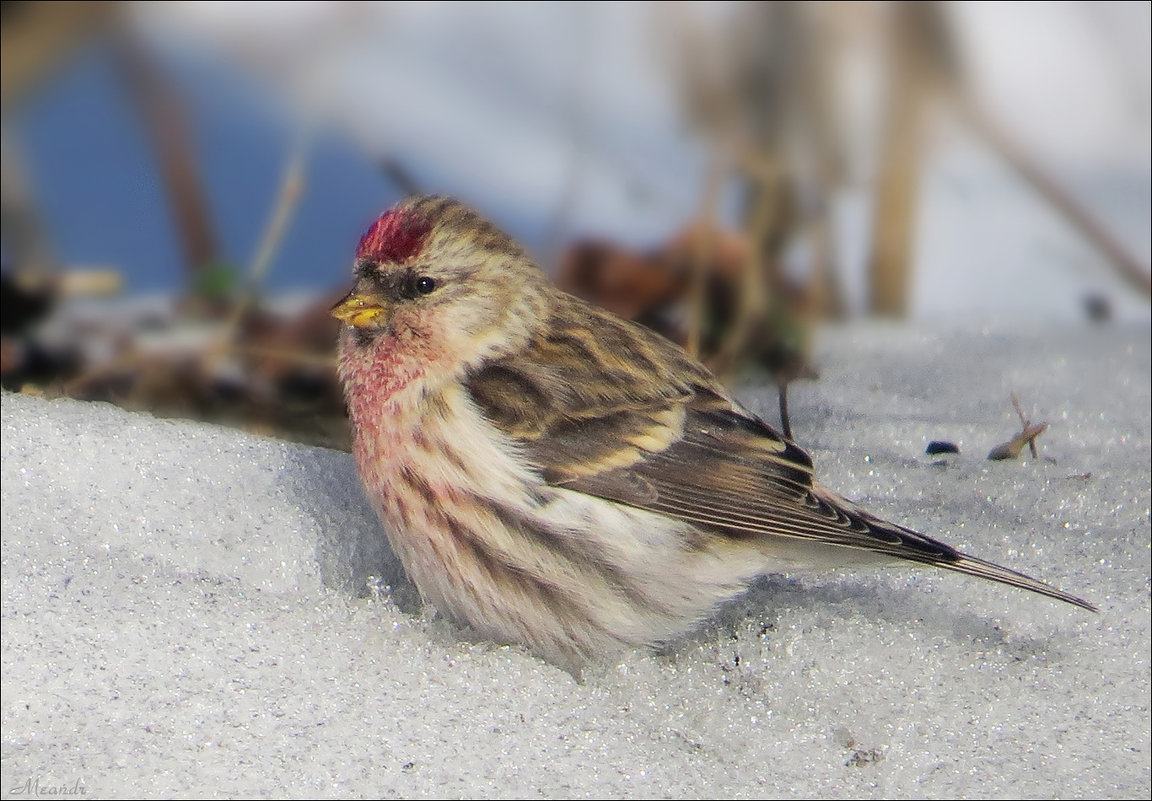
(158,103)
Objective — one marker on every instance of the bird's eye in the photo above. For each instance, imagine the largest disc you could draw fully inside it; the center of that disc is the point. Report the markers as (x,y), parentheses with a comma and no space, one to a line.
(425,285)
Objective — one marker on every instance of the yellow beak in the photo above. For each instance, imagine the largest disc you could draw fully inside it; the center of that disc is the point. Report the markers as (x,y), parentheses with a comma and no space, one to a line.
(362,310)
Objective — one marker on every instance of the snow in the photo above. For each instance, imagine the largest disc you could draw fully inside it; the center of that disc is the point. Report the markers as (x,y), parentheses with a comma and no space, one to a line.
(192,610)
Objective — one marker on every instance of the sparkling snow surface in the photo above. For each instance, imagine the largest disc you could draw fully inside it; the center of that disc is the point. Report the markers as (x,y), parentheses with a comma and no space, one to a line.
(188,610)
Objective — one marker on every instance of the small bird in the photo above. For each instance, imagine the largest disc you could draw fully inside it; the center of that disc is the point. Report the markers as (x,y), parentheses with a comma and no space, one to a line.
(553,475)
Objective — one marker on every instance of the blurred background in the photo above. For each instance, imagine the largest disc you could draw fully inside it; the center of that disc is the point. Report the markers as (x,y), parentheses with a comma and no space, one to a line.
(184,184)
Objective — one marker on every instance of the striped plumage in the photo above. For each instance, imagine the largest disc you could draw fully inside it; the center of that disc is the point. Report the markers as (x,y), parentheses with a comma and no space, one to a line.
(553,475)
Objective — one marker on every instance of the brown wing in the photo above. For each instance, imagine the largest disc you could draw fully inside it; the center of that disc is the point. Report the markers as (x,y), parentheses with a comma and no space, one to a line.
(608,408)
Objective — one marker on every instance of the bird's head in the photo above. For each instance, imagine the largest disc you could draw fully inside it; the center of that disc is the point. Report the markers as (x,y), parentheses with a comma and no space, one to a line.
(434,276)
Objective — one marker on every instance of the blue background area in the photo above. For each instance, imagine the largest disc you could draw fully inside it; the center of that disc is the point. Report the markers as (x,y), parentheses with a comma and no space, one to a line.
(96,181)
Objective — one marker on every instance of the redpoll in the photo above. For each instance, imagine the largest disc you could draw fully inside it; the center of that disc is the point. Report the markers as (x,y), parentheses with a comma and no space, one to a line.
(553,475)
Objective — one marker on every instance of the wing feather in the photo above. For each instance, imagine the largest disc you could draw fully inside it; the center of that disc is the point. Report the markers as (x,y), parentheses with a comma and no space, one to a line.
(624,415)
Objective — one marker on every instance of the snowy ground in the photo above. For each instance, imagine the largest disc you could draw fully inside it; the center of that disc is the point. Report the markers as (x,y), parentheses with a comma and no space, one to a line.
(187,610)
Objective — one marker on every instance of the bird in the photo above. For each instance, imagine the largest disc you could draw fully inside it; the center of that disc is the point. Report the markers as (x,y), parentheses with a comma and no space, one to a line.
(553,475)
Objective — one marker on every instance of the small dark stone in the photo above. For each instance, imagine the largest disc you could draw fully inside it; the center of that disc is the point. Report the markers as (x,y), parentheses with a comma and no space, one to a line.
(1098,307)
(937,446)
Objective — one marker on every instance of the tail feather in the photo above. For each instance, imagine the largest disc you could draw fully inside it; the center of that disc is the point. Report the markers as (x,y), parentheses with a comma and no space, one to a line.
(994,572)
(916,547)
